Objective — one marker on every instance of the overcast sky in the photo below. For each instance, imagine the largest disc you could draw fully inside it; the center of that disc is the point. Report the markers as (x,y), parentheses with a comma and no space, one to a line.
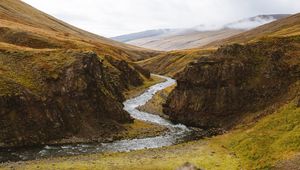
(115,17)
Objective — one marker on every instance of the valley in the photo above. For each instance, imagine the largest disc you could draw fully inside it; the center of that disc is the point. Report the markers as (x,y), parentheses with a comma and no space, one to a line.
(229,99)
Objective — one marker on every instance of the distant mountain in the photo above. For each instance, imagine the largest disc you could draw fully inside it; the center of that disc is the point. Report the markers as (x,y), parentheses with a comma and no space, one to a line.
(256,21)
(150,33)
(287,26)
(143,34)
(200,35)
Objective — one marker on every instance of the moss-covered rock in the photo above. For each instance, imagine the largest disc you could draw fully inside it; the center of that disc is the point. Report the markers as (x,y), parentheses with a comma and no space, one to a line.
(216,91)
(47,96)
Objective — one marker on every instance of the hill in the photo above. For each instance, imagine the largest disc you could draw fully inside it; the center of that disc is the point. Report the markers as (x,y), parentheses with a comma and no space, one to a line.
(249,89)
(289,26)
(58,81)
(19,16)
(171,63)
(198,36)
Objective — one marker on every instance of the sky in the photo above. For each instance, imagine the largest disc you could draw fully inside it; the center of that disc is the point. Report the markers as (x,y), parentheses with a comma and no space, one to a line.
(116,17)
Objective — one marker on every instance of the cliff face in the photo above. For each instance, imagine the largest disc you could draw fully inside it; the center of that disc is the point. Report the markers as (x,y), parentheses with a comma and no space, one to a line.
(58,94)
(217,90)
(55,81)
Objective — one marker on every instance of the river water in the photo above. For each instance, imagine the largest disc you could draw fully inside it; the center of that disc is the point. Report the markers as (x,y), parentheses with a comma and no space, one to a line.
(177,133)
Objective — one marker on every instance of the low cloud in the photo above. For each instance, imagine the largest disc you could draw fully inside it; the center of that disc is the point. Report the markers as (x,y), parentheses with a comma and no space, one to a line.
(116,17)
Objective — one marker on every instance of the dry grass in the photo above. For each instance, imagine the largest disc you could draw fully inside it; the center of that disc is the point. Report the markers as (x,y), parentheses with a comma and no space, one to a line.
(173,62)
(154,105)
(289,26)
(22,18)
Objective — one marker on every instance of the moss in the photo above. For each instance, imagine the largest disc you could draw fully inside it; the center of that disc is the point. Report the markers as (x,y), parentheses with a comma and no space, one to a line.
(201,154)
(273,138)
(30,69)
(141,129)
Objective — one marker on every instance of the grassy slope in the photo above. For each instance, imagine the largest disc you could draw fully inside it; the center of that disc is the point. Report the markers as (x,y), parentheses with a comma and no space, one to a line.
(289,26)
(170,63)
(273,138)
(21,17)
(173,62)
(187,40)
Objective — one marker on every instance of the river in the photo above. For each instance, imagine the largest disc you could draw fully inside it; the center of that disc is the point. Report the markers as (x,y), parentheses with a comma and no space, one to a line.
(177,133)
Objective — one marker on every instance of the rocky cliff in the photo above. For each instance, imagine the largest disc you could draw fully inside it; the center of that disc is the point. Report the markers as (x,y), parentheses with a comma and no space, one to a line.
(50,95)
(55,81)
(216,91)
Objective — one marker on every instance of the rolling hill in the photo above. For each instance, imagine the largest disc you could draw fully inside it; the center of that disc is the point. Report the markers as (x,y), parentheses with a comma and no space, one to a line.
(177,39)
(288,26)
(19,16)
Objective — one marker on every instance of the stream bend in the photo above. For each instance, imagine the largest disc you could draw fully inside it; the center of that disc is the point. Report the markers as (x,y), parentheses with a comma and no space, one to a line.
(177,133)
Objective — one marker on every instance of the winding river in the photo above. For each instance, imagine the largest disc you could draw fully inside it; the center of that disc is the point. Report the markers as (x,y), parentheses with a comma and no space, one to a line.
(177,133)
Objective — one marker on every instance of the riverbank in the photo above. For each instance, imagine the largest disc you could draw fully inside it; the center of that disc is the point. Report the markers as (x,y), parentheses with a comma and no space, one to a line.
(270,143)
(154,106)
(136,91)
(138,129)
(201,153)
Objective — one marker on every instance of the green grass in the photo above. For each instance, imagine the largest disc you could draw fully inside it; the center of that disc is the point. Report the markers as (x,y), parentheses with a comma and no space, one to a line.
(273,138)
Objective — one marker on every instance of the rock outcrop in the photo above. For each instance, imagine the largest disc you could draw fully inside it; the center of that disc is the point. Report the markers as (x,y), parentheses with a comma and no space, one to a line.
(218,90)
(56,85)
(73,93)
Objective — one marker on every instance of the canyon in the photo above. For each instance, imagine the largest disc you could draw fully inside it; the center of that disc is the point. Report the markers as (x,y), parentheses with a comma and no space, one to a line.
(83,101)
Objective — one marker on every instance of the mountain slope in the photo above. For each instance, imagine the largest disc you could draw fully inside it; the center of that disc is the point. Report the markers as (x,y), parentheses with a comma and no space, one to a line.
(177,39)
(139,35)
(252,90)
(171,63)
(288,26)
(184,40)
(59,82)
(252,22)
(15,14)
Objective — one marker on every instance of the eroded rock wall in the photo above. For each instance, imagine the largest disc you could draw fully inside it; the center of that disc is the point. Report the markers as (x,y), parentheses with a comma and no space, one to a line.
(81,96)
(216,91)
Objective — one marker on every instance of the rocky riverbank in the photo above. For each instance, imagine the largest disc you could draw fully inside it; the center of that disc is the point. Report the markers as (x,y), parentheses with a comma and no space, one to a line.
(219,90)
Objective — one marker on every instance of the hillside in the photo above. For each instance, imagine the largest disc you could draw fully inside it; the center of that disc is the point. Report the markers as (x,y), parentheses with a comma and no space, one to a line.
(19,17)
(220,89)
(185,40)
(289,26)
(198,36)
(139,35)
(171,63)
(252,91)
(58,82)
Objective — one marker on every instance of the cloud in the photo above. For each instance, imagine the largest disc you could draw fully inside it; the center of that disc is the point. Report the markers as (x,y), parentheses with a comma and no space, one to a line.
(116,17)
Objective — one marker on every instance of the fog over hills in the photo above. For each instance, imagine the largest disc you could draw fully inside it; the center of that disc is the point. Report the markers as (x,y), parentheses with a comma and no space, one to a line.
(200,35)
